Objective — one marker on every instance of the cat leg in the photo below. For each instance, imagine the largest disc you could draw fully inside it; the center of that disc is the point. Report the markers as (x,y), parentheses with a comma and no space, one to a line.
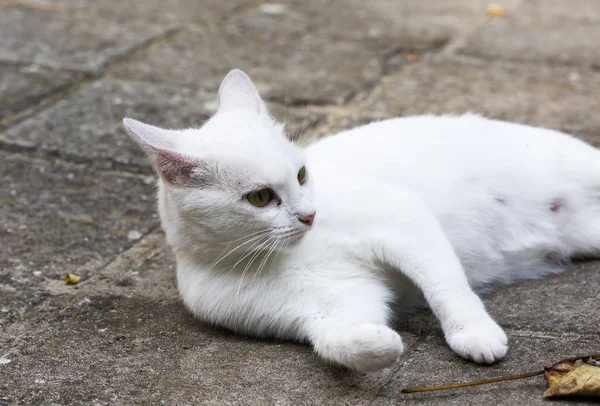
(350,329)
(418,248)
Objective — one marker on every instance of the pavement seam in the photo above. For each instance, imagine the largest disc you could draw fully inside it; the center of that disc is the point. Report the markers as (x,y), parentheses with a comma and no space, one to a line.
(127,248)
(407,351)
(88,77)
(53,158)
(586,336)
(590,67)
(168,36)
(61,93)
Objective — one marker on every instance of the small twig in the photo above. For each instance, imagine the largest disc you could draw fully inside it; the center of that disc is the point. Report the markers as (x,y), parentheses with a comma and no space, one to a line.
(474,383)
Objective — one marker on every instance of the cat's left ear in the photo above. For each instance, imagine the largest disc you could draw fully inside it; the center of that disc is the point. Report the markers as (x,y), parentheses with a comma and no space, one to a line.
(238,92)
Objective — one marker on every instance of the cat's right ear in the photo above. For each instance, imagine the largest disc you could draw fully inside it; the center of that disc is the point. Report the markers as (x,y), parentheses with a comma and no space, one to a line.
(173,167)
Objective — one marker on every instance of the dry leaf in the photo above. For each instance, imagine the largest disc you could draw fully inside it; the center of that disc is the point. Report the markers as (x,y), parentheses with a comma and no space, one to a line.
(495,10)
(410,56)
(72,279)
(579,377)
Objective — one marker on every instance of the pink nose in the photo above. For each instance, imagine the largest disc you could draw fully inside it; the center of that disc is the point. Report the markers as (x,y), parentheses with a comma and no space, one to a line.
(307,218)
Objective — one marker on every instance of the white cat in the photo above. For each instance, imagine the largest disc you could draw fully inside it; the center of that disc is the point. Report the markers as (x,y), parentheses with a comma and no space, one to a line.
(438,205)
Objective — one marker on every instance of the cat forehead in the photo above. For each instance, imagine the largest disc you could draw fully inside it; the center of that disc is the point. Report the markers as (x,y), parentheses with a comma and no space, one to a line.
(238,135)
(245,154)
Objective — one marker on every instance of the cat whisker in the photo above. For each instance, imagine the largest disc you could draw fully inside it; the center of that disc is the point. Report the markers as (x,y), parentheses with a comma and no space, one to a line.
(248,235)
(249,251)
(252,259)
(284,108)
(303,123)
(238,239)
(266,258)
(222,257)
(284,244)
(304,136)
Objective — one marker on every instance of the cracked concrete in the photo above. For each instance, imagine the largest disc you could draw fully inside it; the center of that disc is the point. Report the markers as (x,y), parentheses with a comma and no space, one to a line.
(77,196)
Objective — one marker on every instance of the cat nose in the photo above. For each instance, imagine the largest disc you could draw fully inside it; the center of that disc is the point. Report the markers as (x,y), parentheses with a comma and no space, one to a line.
(307,218)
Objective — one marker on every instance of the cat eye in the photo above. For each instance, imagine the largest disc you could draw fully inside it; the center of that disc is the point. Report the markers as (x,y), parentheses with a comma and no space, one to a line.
(302,175)
(260,198)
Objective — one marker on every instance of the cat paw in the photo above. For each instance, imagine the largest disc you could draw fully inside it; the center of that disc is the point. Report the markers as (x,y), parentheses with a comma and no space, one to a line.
(370,348)
(482,342)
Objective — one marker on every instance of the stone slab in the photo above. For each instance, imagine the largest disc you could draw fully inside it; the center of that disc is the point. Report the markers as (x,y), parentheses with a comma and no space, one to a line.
(90,128)
(562,31)
(342,118)
(567,303)
(59,218)
(112,349)
(23,86)
(70,40)
(159,11)
(283,67)
(147,269)
(548,96)
(320,52)
(391,24)
(433,363)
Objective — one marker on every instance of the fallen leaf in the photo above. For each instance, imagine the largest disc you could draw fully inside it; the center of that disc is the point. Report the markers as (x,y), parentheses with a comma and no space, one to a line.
(72,279)
(496,10)
(579,377)
(410,56)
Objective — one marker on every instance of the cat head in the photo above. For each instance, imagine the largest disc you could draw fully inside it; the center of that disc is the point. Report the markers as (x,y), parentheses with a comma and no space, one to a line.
(236,180)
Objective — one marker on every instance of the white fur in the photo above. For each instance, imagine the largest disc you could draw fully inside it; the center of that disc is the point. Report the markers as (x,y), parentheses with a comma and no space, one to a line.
(438,205)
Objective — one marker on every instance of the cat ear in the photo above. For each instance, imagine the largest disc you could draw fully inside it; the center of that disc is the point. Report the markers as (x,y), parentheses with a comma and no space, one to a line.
(174,167)
(238,92)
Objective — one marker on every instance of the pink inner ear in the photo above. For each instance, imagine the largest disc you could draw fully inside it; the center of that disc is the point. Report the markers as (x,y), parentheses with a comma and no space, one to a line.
(176,168)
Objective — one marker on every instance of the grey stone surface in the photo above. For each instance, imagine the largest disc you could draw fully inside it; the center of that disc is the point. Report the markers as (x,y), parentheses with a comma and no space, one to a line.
(121,336)
(71,40)
(90,130)
(342,118)
(112,349)
(283,68)
(145,269)
(321,52)
(549,96)
(565,303)
(159,11)
(560,30)
(433,363)
(59,218)
(23,86)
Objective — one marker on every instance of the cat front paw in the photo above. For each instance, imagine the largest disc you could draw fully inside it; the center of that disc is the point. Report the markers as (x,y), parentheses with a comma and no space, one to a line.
(483,342)
(365,348)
